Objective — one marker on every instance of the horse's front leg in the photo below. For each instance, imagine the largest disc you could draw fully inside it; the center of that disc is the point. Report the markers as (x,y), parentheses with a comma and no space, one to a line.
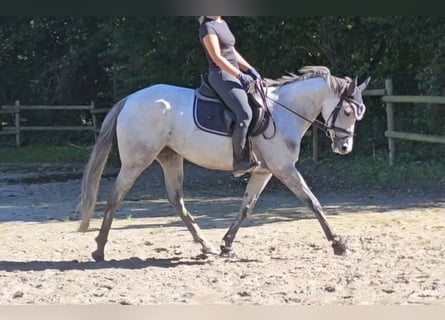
(295,182)
(255,186)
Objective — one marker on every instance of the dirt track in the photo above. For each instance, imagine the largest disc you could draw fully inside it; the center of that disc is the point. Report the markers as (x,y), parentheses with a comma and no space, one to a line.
(397,241)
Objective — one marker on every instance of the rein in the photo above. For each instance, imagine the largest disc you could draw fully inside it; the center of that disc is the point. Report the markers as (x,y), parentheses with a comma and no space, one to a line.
(262,90)
(322,126)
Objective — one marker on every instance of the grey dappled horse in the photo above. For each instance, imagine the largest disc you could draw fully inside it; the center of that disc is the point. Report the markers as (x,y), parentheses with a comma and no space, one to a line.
(156,123)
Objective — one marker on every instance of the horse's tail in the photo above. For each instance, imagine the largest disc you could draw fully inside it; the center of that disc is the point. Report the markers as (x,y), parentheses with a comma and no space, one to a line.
(96,164)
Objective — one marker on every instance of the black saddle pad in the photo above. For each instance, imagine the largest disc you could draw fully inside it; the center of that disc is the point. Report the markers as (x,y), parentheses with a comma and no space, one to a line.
(210,116)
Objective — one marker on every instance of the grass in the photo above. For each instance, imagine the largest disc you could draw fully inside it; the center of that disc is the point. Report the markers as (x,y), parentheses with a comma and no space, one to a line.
(375,172)
(43,153)
(333,171)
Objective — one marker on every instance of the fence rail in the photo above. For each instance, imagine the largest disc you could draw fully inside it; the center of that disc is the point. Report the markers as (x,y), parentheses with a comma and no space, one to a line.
(70,107)
(95,128)
(385,93)
(18,128)
(391,133)
(414,99)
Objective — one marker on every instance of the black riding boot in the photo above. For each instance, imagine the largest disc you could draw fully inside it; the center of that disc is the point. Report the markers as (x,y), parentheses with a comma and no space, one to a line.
(243,160)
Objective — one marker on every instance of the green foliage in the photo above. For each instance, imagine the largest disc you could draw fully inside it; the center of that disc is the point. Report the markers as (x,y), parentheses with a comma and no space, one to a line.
(76,60)
(373,173)
(337,172)
(44,153)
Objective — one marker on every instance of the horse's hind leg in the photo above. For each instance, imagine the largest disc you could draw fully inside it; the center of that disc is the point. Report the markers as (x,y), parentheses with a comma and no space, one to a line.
(172,164)
(255,186)
(124,181)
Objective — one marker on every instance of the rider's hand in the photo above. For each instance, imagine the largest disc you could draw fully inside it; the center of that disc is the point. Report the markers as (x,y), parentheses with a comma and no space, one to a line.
(246,80)
(255,74)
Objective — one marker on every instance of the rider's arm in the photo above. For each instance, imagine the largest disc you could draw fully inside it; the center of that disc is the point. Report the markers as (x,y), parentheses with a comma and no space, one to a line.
(211,44)
(243,64)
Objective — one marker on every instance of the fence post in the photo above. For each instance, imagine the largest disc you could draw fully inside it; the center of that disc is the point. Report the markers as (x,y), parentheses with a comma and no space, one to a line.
(314,141)
(93,116)
(390,121)
(17,123)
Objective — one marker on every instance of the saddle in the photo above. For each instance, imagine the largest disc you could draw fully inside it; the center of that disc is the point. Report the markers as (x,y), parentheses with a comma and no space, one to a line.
(212,115)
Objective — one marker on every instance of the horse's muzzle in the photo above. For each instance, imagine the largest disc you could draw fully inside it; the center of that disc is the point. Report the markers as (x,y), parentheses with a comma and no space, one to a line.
(343,146)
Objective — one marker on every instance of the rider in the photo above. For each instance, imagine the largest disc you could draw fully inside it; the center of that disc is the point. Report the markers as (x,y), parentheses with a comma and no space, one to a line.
(231,76)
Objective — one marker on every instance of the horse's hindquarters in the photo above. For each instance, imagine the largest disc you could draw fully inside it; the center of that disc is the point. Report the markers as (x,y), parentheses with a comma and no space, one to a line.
(162,116)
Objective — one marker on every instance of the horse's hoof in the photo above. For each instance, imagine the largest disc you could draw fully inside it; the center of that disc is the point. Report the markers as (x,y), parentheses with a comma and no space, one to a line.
(340,247)
(209,250)
(227,253)
(98,257)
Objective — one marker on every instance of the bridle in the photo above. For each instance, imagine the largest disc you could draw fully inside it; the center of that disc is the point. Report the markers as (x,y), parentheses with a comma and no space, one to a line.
(330,130)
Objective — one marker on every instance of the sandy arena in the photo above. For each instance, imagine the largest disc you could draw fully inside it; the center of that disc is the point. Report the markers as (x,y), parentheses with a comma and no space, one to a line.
(397,241)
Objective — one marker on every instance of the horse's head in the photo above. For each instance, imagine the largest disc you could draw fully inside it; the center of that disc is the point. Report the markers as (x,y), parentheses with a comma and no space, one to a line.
(341,114)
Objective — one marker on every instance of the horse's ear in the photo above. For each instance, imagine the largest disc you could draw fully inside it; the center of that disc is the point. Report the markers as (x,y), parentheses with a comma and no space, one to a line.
(352,86)
(364,84)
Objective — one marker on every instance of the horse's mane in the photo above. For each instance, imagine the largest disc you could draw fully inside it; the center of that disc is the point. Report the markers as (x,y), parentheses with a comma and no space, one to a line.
(309,72)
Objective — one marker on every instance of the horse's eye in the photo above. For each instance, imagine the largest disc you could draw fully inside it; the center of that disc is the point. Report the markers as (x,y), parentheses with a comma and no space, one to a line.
(348,111)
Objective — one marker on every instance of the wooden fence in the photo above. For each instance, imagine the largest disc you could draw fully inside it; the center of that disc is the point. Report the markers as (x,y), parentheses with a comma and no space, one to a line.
(386,95)
(389,99)
(315,144)
(391,133)
(18,128)
(95,128)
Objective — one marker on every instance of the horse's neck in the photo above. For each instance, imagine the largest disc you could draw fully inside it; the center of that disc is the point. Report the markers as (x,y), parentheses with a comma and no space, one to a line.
(304,98)
(301,103)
